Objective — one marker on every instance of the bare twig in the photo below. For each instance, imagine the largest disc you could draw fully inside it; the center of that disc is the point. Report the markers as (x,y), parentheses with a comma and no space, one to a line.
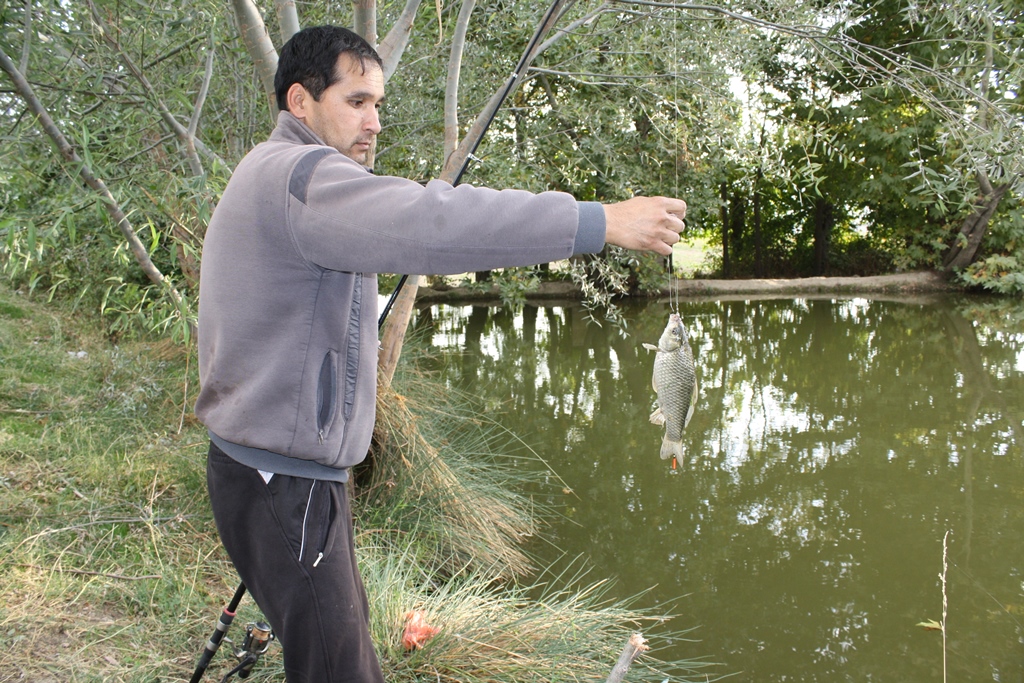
(634,647)
(184,401)
(582,21)
(945,599)
(170,53)
(204,89)
(114,83)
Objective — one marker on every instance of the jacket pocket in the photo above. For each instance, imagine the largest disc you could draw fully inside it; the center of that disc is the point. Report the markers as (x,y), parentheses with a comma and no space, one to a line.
(326,395)
(329,521)
(320,523)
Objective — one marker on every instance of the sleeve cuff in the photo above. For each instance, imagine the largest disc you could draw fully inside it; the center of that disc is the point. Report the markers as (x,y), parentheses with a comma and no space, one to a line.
(591,228)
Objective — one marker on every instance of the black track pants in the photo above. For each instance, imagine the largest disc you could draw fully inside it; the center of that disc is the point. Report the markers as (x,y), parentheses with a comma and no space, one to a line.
(291,542)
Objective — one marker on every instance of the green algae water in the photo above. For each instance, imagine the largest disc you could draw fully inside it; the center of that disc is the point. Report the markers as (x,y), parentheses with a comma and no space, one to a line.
(834,445)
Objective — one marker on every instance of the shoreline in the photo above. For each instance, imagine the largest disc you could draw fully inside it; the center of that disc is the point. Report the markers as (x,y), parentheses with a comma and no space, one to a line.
(923,282)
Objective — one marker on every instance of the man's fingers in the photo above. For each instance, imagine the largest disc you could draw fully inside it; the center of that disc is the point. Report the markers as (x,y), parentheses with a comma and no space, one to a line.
(676,207)
(664,241)
(645,223)
(662,248)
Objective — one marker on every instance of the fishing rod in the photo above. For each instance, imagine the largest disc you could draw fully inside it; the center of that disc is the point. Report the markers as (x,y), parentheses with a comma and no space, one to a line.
(510,84)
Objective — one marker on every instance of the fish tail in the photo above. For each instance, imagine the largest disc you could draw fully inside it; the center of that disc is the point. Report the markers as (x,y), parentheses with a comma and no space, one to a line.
(670,449)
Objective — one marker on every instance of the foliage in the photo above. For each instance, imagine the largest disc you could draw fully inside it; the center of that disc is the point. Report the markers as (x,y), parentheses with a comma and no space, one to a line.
(884,117)
(1001,269)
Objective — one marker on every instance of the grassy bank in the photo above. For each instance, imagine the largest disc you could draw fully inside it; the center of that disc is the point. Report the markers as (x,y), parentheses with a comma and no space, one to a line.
(110,568)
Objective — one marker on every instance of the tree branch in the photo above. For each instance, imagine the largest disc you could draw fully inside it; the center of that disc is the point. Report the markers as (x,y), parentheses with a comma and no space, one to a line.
(582,21)
(204,89)
(118,89)
(287,18)
(451,91)
(85,172)
(183,134)
(395,42)
(364,19)
(476,132)
(26,45)
(258,44)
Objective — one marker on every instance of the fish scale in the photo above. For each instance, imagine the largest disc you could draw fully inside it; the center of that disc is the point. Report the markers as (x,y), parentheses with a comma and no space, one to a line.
(675,381)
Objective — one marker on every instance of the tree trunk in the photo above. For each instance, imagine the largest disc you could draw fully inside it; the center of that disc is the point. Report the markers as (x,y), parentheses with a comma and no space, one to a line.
(824,220)
(965,248)
(287,18)
(723,212)
(635,646)
(395,42)
(451,90)
(260,47)
(737,222)
(758,236)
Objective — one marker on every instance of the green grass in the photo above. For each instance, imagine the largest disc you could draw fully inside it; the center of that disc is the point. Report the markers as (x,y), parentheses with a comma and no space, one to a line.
(688,255)
(111,570)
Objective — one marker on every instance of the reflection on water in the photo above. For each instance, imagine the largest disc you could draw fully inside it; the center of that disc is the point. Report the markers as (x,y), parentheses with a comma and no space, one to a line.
(834,443)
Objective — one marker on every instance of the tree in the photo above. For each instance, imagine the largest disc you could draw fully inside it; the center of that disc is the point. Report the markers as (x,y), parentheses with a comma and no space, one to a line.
(617,98)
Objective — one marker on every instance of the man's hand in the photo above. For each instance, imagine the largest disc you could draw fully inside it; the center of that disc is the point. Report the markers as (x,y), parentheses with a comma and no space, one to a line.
(645,223)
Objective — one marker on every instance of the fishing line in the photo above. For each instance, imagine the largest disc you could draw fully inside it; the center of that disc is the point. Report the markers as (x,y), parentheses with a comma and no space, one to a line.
(672,288)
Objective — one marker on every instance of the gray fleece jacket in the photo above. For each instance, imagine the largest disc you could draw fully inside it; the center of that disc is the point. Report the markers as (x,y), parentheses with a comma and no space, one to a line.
(288,289)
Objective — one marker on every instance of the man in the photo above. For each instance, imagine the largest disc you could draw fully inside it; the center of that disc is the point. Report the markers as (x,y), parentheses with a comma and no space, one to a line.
(288,329)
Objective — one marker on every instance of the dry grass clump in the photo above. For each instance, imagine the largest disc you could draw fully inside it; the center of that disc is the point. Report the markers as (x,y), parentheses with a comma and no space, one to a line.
(440,469)
(488,635)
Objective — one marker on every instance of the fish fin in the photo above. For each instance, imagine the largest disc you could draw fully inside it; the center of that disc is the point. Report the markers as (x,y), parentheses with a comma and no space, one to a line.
(657,417)
(671,449)
(651,347)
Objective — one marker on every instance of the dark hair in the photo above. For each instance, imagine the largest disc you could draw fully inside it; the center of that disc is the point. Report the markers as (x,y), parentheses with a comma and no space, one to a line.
(310,58)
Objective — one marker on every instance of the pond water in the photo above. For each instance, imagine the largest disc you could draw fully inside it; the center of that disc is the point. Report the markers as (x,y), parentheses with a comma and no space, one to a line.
(834,445)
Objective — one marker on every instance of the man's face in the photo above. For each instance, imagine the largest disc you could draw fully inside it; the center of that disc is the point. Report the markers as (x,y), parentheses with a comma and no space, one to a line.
(346,117)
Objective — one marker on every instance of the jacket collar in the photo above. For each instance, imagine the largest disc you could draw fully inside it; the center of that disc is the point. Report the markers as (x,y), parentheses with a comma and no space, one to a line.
(291,129)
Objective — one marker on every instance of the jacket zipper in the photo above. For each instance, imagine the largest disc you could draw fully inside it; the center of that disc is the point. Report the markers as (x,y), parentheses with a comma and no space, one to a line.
(326,396)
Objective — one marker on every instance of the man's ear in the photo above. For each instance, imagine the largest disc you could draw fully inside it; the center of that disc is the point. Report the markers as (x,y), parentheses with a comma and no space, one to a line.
(296,99)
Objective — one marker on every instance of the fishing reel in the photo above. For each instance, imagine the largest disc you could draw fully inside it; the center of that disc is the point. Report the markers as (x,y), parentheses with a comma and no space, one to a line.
(257,641)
